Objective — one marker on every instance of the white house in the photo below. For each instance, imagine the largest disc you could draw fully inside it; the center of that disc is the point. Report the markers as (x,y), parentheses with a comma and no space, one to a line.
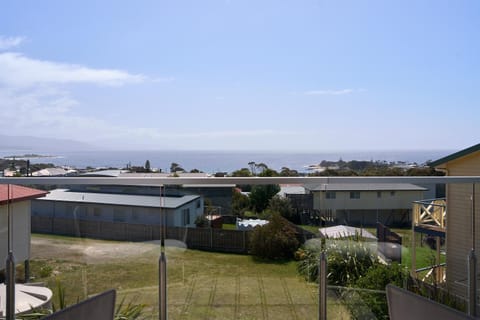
(365,204)
(16,201)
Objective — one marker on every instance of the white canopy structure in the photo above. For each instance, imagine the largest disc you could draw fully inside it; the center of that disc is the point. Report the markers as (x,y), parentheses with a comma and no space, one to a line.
(342,231)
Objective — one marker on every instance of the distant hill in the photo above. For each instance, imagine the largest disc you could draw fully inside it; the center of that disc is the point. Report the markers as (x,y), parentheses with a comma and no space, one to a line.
(41,145)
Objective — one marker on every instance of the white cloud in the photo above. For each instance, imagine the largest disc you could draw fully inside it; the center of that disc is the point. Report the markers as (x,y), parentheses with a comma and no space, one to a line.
(17,70)
(332,92)
(10,42)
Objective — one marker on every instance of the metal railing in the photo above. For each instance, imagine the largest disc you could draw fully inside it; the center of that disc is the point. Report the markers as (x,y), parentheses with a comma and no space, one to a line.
(437,273)
(434,213)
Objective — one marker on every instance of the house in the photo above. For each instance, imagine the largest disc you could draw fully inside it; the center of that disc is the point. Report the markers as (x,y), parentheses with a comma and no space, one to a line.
(180,211)
(16,201)
(216,195)
(463,209)
(365,204)
(54,172)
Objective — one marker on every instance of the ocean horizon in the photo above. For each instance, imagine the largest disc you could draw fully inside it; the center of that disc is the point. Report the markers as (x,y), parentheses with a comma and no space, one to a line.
(220,161)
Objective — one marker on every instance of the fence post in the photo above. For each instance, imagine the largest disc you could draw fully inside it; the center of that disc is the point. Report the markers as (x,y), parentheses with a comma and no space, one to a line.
(244,242)
(322,284)
(211,238)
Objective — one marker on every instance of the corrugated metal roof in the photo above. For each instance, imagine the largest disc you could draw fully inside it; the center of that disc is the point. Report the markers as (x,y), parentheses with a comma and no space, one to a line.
(18,193)
(291,189)
(103,173)
(118,199)
(366,187)
(165,174)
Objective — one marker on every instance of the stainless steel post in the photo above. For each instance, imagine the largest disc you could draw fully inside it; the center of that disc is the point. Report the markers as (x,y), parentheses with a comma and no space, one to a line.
(10,265)
(162,265)
(162,286)
(472,265)
(10,282)
(322,287)
(472,283)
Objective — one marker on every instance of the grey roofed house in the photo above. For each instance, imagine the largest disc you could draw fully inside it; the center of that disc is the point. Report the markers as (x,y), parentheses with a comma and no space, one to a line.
(119,199)
(180,211)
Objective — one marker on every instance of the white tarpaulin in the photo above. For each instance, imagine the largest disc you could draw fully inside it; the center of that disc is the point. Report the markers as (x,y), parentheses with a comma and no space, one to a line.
(342,231)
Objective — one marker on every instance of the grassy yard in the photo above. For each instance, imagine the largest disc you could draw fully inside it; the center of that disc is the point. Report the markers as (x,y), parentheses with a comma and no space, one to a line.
(425,255)
(201,285)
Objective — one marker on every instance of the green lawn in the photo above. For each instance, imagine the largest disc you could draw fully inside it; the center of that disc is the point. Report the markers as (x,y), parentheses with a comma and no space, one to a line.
(313,229)
(201,285)
(229,226)
(425,255)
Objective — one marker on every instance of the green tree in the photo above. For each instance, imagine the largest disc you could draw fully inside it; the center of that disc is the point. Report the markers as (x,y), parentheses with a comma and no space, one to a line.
(147,166)
(275,240)
(243,172)
(253,167)
(287,172)
(267,172)
(261,167)
(261,194)
(240,203)
(175,167)
(282,206)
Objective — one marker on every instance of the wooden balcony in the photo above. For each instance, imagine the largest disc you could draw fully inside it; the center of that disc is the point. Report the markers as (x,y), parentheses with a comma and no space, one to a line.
(430,216)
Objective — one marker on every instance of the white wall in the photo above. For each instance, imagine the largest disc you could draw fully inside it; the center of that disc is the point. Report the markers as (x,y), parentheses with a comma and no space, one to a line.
(369,200)
(21,232)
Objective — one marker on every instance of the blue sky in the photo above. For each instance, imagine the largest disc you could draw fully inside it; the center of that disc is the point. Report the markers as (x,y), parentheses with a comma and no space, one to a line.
(243,75)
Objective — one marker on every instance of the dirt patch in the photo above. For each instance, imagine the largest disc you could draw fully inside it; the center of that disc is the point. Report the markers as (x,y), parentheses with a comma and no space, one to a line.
(88,251)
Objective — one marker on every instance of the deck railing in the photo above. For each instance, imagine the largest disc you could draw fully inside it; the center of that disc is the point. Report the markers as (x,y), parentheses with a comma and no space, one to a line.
(431,212)
(436,273)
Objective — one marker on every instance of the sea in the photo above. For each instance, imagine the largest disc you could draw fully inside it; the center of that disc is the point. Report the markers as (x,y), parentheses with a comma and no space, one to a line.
(220,161)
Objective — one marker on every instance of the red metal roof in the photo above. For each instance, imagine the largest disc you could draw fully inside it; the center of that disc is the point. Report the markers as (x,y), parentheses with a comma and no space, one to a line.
(18,193)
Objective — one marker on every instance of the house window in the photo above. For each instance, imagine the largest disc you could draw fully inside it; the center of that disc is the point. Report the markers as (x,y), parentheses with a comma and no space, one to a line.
(354,194)
(392,193)
(379,194)
(198,204)
(186,216)
(330,195)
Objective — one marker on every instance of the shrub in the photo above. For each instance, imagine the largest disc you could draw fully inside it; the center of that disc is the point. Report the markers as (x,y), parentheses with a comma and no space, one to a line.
(347,260)
(201,222)
(377,278)
(275,240)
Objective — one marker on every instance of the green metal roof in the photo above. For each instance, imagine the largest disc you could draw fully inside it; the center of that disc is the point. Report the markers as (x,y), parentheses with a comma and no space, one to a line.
(456,155)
